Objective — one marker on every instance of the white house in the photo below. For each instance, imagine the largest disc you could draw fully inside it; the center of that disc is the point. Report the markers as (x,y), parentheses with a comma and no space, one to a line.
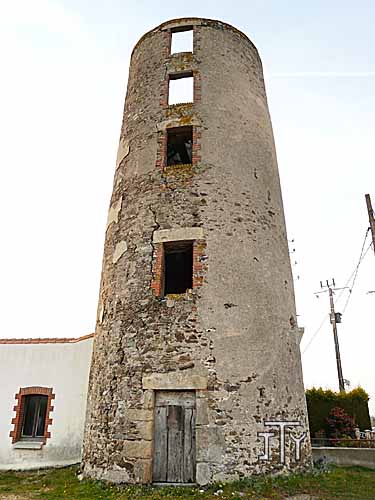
(43,391)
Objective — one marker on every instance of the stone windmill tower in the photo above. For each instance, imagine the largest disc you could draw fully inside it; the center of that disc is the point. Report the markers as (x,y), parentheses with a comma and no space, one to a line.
(196,371)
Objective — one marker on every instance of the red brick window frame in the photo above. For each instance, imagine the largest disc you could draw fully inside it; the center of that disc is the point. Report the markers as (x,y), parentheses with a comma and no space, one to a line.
(167,43)
(197,88)
(199,266)
(157,283)
(19,408)
(179,29)
(167,50)
(162,146)
(180,76)
(164,91)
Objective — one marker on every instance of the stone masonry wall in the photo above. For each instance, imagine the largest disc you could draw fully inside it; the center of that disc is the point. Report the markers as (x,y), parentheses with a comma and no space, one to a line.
(233,338)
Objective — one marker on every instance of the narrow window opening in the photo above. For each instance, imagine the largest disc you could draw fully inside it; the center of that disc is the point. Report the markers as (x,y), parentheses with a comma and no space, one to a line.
(182,41)
(34,416)
(178,267)
(179,145)
(181,88)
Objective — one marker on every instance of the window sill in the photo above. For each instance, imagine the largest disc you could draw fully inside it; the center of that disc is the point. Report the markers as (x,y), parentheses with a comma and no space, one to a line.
(179,108)
(177,167)
(179,296)
(172,298)
(28,445)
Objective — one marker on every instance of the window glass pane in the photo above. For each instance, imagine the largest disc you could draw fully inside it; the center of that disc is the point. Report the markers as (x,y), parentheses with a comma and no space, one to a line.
(29,415)
(41,415)
(34,417)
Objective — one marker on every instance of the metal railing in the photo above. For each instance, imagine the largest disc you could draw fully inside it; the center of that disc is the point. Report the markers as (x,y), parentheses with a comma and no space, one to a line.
(347,443)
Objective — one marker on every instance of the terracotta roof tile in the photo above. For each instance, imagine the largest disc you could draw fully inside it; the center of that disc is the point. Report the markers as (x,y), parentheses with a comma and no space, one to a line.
(47,340)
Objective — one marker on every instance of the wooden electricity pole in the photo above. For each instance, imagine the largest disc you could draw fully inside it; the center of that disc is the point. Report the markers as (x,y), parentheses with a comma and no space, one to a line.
(336,339)
(335,318)
(371,219)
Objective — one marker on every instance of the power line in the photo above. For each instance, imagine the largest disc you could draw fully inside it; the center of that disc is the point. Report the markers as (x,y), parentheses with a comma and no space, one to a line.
(316,333)
(355,277)
(354,273)
(371,218)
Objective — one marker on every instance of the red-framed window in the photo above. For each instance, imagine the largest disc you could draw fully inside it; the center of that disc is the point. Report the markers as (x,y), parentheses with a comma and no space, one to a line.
(33,409)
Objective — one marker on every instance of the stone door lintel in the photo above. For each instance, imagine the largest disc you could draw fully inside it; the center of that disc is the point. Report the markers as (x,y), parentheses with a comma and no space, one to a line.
(174,381)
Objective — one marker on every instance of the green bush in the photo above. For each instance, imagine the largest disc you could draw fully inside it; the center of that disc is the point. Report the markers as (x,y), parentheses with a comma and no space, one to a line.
(321,402)
(341,425)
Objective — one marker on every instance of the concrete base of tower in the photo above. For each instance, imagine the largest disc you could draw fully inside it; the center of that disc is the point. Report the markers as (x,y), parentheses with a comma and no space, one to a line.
(206,472)
(138,472)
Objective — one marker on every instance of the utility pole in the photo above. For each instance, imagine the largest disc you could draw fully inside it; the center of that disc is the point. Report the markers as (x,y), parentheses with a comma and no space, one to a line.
(335,336)
(371,218)
(335,318)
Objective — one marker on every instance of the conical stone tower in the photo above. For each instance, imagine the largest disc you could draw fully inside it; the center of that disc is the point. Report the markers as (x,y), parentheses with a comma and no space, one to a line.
(196,372)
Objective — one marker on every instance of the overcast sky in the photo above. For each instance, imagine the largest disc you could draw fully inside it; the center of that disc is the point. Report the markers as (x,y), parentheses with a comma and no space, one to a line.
(63,80)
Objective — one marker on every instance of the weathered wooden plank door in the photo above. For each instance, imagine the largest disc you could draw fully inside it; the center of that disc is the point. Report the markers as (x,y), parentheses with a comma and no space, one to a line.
(174,446)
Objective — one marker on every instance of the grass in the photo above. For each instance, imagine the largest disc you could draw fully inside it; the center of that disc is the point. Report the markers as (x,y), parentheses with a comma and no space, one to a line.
(61,484)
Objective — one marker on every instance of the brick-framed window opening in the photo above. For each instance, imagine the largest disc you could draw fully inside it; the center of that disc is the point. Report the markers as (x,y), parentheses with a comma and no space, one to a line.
(34,405)
(196,265)
(164,90)
(168,34)
(190,133)
(178,267)
(34,416)
(182,39)
(179,146)
(181,88)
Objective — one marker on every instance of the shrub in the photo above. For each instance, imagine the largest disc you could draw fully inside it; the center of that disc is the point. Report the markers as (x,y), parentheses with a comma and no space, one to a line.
(340,424)
(321,402)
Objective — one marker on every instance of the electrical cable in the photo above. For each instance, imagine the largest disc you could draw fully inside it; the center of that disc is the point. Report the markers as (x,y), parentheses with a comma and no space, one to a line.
(354,273)
(315,334)
(356,267)
(354,279)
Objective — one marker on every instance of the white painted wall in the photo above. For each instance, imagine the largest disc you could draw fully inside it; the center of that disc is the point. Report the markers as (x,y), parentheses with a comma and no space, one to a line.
(65,368)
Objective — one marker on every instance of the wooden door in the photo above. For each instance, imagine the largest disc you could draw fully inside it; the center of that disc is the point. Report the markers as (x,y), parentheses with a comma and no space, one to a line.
(174,444)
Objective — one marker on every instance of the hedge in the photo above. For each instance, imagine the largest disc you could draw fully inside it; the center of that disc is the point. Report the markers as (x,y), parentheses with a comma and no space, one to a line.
(321,402)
